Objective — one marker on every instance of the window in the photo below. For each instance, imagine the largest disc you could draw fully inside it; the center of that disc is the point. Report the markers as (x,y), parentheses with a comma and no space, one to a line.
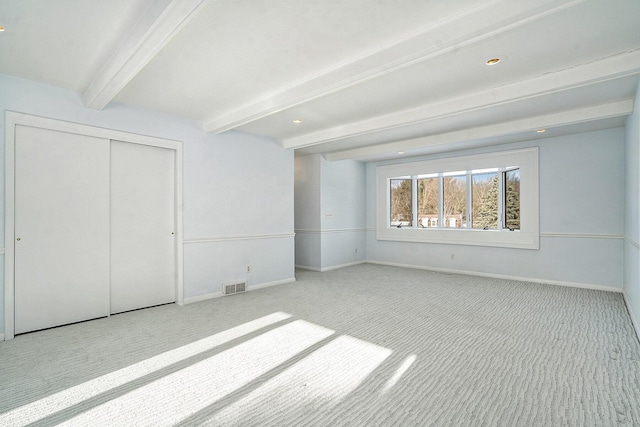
(428,197)
(400,194)
(454,197)
(489,199)
(491,208)
(512,199)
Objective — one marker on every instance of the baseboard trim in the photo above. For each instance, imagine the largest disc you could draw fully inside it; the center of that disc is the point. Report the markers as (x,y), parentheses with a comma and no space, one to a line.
(274,283)
(218,294)
(306,267)
(333,267)
(632,315)
(503,276)
(1,337)
(337,267)
(204,297)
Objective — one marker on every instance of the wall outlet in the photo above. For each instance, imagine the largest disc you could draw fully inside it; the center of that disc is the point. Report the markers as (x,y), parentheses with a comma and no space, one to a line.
(248,268)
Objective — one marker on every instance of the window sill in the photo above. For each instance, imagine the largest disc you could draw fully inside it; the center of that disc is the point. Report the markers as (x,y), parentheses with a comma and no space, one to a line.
(495,238)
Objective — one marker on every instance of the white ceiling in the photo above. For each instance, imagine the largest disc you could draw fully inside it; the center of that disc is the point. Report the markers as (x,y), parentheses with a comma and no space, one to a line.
(368,78)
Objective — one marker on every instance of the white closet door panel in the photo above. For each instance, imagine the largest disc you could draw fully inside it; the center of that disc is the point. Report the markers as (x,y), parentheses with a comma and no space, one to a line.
(61,228)
(143,266)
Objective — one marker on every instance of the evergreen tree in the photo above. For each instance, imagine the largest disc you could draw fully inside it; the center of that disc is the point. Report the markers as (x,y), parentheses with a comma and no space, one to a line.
(512,202)
(487,215)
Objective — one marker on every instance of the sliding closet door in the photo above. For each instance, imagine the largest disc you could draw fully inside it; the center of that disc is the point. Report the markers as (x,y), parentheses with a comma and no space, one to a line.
(143,261)
(61,228)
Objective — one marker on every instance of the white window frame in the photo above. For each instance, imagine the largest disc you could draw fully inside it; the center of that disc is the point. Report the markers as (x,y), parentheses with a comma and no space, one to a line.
(528,237)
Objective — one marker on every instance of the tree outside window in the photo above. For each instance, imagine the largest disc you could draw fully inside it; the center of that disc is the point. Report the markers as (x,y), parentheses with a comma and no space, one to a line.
(428,202)
(455,201)
(401,213)
(484,194)
(512,199)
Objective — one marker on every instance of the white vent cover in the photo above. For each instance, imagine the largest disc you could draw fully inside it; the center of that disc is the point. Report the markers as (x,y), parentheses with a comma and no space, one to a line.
(233,288)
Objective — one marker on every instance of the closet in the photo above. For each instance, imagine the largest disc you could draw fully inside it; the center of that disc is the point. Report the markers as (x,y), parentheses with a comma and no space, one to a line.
(94,227)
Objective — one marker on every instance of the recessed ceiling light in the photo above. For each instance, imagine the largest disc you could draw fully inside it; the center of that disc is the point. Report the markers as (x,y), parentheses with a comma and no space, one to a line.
(541,130)
(1,28)
(493,61)
(400,152)
(297,121)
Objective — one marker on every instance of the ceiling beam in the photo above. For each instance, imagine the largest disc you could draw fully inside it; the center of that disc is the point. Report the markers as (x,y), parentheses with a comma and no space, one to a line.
(614,67)
(163,20)
(476,24)
(546,121)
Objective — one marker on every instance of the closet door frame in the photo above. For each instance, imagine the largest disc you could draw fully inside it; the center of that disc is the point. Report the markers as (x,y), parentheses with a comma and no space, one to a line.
(13,119)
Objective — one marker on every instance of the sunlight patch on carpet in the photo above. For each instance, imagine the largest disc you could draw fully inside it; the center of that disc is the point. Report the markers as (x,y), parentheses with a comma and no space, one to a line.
(406,364)
(72,396)
(314,384)
(179,395)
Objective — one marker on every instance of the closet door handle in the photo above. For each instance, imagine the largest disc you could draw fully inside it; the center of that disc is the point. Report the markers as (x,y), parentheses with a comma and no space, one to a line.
(18,239)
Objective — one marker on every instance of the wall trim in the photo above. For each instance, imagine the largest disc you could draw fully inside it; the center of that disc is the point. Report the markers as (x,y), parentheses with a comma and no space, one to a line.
(269,284)
(336,267)
(570,235)
(24,119)
(634,320)
(235,238)
(332,230)
(306,267)
(204,297)
(582,235)
(632,242)
(503,276)
(218,294)
(333,267)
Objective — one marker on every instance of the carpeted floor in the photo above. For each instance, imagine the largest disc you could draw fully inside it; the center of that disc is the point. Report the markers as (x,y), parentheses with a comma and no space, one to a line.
(367,345)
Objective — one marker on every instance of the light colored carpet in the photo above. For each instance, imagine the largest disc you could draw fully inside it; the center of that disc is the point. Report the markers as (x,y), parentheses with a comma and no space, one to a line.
(367,345)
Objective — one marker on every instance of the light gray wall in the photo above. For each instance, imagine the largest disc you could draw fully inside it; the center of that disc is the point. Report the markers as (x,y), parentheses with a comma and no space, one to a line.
(330,212)
(307,211)
(632,213)
(238,188)
(581,218)
(343,213)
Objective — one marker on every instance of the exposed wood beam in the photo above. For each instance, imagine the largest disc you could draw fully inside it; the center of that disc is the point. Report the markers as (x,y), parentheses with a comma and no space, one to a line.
(614,67)
(478,23)
(579,115)
(161,22)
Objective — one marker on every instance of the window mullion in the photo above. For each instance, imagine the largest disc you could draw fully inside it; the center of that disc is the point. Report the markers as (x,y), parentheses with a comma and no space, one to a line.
(414,201)
(440,200)
(501,200)
(389,196)
(469,201)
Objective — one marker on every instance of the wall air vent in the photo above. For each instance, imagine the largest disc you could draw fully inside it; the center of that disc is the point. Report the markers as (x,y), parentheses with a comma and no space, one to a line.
(233,288)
